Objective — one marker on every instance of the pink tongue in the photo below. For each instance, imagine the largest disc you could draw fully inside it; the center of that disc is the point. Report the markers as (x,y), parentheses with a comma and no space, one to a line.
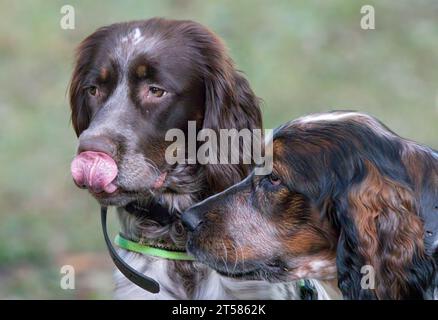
(95,170)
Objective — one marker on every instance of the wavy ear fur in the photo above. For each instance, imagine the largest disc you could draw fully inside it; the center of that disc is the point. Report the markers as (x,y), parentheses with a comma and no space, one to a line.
(380,227)
(85,53)
(230,103)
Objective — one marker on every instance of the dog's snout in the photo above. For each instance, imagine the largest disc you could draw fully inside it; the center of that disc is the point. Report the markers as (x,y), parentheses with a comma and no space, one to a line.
(98,144)
(192,218)
(94,167)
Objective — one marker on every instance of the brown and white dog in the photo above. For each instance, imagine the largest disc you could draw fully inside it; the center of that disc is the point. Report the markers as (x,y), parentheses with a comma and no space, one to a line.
(132,83)
(347,198)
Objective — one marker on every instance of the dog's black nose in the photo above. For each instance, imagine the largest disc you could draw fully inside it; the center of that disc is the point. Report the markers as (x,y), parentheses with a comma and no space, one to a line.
(192,218)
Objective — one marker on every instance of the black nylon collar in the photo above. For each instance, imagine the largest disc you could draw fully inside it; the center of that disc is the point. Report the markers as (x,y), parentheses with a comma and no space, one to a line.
(307,291)
(133,275)
(153,211)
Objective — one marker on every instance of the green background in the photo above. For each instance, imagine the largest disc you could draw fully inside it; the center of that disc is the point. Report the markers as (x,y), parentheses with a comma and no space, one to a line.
(299,56)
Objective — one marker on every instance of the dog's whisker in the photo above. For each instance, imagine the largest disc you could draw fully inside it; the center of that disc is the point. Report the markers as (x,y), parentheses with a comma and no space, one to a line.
(243,257)
(226,256)
(235,257)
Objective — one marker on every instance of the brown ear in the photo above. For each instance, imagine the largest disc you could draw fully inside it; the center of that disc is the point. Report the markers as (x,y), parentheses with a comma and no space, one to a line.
(80,114)
(230,103)
(381,228)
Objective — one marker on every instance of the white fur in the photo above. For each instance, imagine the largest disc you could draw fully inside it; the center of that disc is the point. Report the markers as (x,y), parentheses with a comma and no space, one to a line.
(334,116)
(341,115)
(212,287)
(134,37)
(135,43)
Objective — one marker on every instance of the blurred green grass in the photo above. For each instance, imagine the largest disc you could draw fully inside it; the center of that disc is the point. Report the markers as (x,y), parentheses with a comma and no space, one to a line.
(300,57)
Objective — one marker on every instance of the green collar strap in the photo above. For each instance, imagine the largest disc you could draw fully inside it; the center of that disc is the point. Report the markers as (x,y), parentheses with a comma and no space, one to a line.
(150,251)
(307,291)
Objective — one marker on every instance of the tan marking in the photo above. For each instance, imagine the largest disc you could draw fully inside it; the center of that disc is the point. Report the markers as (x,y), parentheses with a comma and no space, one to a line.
(104,74)
(141,71)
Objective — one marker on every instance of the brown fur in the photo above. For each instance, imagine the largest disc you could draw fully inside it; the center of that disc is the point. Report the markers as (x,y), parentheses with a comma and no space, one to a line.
(389,229)
(345,192)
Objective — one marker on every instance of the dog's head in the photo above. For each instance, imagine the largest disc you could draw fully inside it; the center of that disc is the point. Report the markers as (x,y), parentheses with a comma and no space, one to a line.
(132,83)
(267,226)
(339,203)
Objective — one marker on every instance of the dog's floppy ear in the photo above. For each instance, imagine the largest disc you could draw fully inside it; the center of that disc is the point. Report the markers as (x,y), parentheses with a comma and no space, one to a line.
(80,116)
(80,113)
(230,103)
(380,229)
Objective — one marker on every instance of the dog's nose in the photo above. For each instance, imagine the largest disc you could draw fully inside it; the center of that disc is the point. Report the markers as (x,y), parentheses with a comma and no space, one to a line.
(98,144)
(94,167)
(192,218)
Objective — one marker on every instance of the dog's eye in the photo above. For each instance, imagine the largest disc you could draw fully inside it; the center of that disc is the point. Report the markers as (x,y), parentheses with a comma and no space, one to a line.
(157,92)
(274,180)
(270,182)
(92,91)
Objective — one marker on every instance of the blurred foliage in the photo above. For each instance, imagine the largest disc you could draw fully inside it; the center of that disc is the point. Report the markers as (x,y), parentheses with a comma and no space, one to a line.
(300,57)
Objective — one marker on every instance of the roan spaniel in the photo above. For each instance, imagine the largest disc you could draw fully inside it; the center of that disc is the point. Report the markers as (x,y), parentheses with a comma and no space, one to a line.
(347,199)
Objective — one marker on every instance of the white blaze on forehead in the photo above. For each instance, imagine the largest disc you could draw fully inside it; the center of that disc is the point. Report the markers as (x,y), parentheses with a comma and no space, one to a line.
(134,36)
(339,116)
(135,42)
(137,36)
(335,116)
